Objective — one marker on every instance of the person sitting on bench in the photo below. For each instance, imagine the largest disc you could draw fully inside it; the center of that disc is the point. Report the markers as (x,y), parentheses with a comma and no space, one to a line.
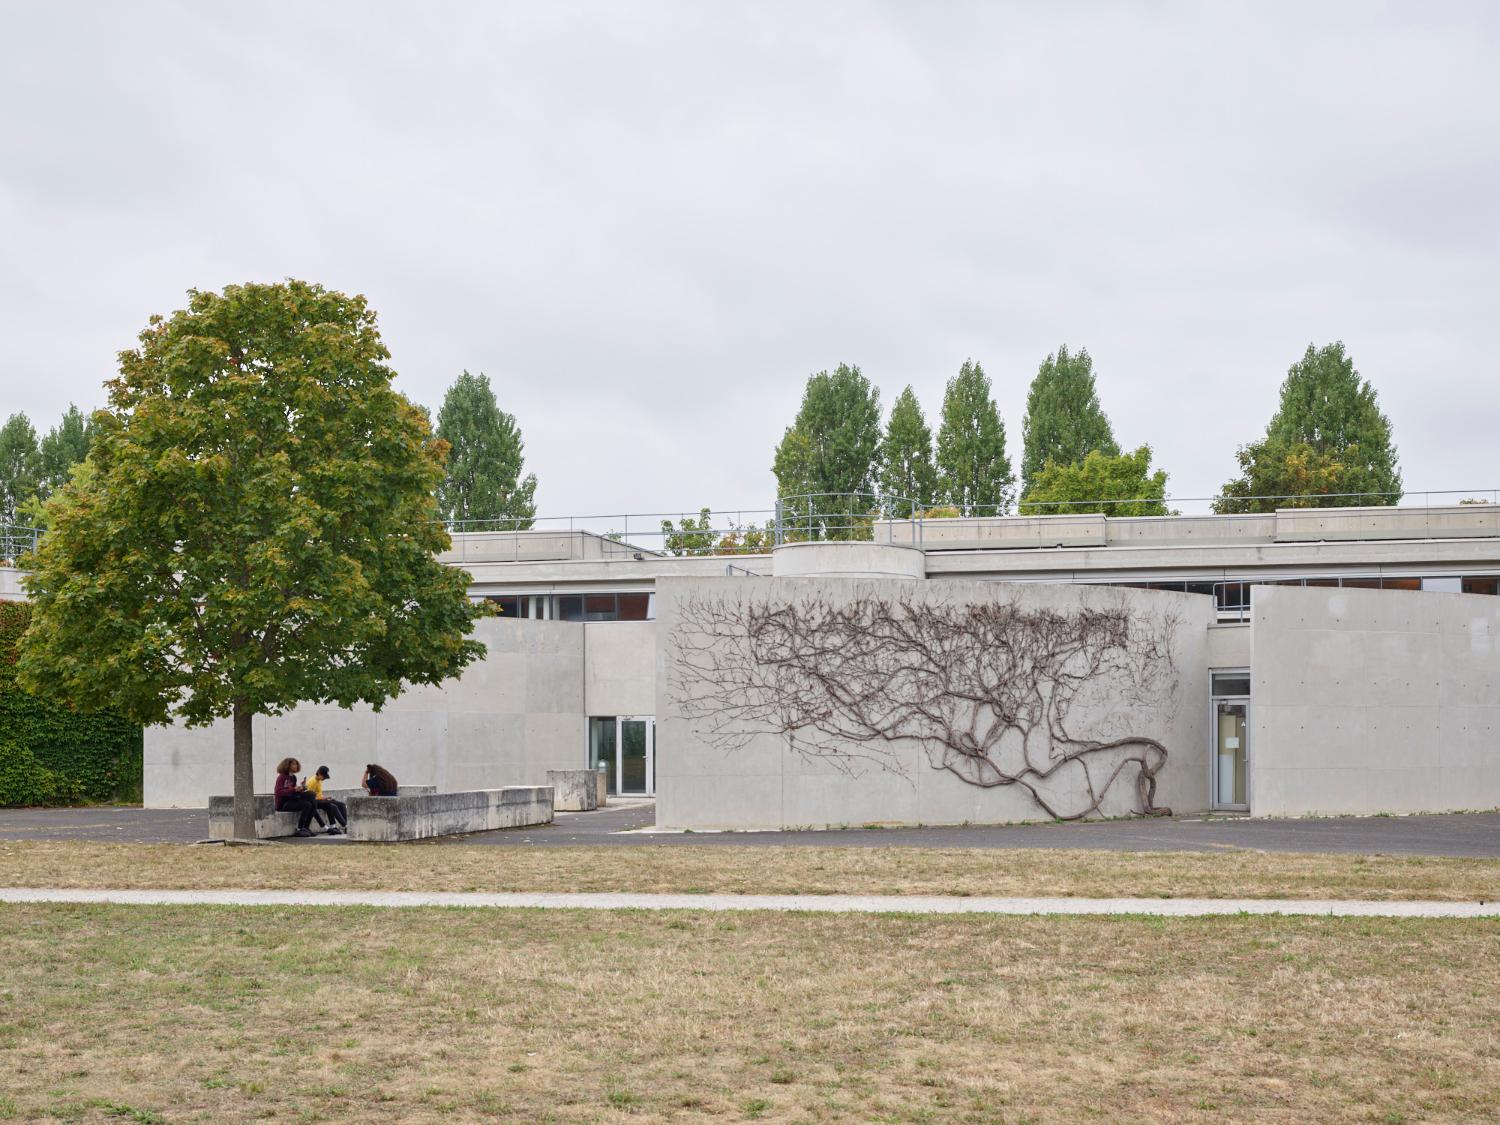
(337,811)
(291,797)
(379,782)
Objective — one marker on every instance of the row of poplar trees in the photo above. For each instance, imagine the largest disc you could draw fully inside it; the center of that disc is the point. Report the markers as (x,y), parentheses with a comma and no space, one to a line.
(483,480)
(1328,443)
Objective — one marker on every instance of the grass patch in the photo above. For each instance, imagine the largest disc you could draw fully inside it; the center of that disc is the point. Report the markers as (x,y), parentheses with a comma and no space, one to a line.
(693,869)
(234,1014)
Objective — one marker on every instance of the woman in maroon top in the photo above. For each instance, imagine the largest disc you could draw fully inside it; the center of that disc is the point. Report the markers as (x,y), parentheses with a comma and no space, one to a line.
(291,797)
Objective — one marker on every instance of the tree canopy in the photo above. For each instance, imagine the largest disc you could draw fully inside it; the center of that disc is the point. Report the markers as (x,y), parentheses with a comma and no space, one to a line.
(830,451)
(483,479)
(908,477)
(1328,439)
(256,526)
(1064,422)
(974,473)
(1065,489)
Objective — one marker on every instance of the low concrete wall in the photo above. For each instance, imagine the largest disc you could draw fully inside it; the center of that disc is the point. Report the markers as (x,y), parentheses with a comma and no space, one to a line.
(270,824)
(389,819)
(1456,521)
(1373,701)
(848,560)
(1148,531)
(1015,532)
(10,585)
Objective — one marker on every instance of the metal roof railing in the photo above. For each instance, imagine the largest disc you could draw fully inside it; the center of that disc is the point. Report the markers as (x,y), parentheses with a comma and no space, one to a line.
(16,541)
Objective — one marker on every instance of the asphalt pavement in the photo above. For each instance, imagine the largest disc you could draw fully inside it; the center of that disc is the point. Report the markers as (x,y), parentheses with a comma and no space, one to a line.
(631,824)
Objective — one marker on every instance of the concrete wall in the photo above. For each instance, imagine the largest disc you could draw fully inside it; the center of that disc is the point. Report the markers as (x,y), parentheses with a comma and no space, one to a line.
(1366,701)
(1229,646)
(506,721)
(619,668)
(10,585)
(728,768)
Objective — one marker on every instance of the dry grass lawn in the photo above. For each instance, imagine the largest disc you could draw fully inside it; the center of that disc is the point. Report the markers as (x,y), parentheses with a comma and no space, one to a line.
(225,1014)
(769,870)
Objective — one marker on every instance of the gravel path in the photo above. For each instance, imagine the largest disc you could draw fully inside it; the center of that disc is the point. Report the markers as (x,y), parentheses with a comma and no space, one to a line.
(841,904)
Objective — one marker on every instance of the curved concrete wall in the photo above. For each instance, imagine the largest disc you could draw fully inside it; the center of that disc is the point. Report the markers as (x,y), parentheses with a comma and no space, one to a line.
(847,560)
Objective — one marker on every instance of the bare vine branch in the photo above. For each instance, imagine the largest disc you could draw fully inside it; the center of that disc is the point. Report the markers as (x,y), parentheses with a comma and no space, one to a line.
(987,690)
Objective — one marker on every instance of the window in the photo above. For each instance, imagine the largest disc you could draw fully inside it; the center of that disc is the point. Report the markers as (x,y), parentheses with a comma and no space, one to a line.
(1482,585)
(570,607)
(635,607)
(599,607)
(1233,595)
(508,606)
(1401,584)
(1231,683)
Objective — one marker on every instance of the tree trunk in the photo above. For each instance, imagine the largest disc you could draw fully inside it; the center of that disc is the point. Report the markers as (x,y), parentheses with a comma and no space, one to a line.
(244,774)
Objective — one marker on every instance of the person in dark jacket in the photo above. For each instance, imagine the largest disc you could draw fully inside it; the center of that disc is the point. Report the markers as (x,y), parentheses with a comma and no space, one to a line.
(378,781)
(291,797)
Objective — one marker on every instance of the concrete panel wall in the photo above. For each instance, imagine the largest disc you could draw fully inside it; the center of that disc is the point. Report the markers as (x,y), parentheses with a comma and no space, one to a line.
(506,721)
(619,668)
(1229,646)
(10,585)
(1367,701)
(726,759)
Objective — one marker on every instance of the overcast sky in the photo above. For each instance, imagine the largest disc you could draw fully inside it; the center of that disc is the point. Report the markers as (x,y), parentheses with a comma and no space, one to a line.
(649,223)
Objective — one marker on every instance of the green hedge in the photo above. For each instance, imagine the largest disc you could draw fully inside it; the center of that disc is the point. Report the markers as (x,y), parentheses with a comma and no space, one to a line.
(51,754)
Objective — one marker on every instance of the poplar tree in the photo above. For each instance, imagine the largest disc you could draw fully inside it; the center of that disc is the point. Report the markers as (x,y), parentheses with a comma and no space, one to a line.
(907,475)
(256,526)
(485,458)
(1064,422)
(19,467)
(1327,444)
(828,455)
(974,473)
(66,444)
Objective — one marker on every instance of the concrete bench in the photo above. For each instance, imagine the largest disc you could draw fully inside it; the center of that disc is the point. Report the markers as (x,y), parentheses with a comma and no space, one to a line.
(269,823)
(388,819)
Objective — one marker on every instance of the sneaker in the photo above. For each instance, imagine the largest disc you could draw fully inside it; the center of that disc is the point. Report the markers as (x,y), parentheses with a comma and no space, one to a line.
(302,832)
(334,830)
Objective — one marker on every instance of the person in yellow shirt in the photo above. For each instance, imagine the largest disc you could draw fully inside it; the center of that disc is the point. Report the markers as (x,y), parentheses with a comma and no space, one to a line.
(337,811)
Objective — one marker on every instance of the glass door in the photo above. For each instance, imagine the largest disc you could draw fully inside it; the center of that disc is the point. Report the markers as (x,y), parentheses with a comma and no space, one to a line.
(1231,754)
(635,750)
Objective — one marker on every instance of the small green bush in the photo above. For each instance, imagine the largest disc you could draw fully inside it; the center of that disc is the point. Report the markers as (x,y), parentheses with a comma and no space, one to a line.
(51,754)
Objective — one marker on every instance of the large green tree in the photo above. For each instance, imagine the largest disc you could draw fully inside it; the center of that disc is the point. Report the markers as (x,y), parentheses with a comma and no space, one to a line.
(256,526)
(1327,444)
(908,477)
(974,473)
(1090,485)
(825,464)
(483,480)
(1064,422)
(19,467)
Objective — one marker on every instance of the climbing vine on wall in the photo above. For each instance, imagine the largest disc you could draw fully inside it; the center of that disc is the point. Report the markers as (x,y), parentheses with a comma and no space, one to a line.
(991,692)
(51,755)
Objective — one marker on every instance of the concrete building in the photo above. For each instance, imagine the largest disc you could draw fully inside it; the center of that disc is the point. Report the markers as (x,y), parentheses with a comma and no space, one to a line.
(1306,661)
